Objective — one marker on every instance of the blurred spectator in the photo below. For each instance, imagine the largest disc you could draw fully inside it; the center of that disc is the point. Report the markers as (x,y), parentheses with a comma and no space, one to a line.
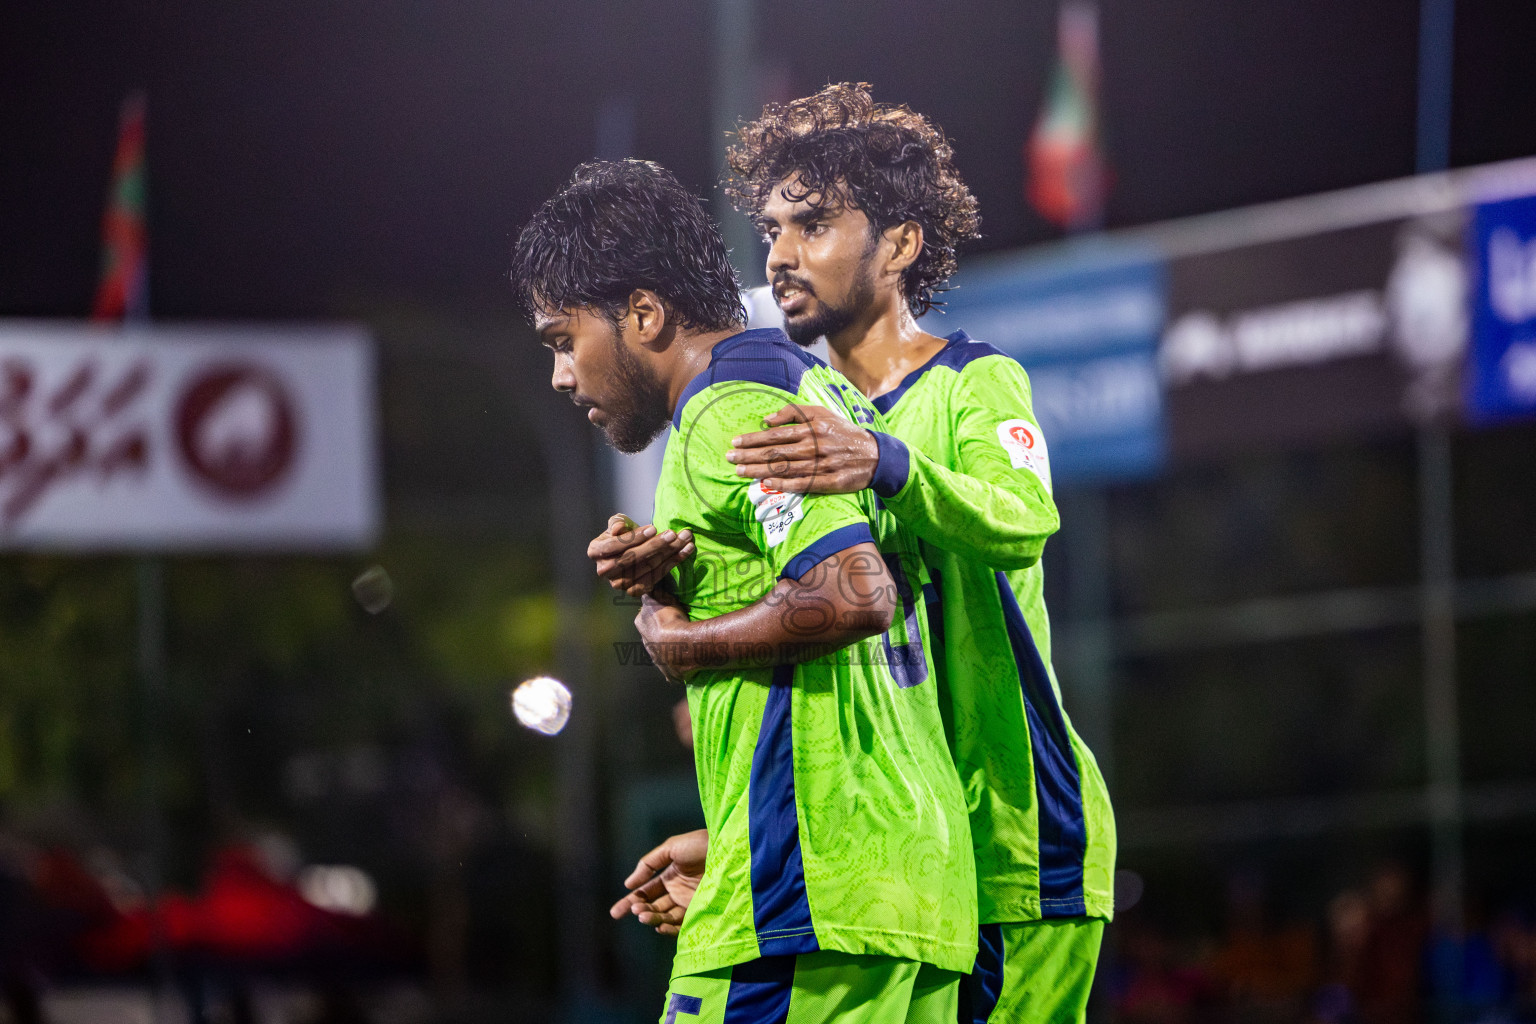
(48,900)
(1466,978)
(1513,938)
(1349,922)
(1265,972)
(1154,988)
(1469,980)
(19,912)
(1381,963)
(1388,986)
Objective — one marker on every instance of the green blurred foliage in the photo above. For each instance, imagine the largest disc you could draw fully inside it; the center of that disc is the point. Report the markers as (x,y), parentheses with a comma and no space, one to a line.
(66,671)
(267,658)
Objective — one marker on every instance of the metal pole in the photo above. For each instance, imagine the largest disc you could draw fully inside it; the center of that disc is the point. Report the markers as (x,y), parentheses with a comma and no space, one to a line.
(1092,647)
(1441,713)
(736,96)
(1442,724)
(1437,22)
(149,580)
(568,467)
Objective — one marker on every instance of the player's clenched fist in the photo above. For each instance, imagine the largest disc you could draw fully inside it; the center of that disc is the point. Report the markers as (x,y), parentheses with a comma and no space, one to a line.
(635,558)
(659,616)
(809,450)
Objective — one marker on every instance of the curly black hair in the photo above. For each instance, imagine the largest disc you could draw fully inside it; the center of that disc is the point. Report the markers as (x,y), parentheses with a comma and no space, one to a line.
(619,225)
(840,146)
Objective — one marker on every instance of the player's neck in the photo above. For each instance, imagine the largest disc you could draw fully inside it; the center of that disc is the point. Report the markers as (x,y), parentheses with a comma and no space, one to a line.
(877,352)
(690,354)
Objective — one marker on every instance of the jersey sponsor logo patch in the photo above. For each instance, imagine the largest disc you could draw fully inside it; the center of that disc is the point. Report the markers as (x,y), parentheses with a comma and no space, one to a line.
(1026,449)
(776,510)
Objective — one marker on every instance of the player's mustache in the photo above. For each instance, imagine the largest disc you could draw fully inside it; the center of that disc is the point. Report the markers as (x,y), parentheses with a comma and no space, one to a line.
(785,279)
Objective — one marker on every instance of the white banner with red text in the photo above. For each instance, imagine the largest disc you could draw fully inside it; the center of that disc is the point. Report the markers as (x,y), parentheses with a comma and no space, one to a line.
(186,438)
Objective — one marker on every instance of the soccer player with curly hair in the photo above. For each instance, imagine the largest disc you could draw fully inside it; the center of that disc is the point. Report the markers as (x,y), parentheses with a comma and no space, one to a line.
(863,209)
(839,872)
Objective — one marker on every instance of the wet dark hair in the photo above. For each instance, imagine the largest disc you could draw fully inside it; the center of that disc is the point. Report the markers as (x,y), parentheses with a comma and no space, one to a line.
(885,160)
(619,225)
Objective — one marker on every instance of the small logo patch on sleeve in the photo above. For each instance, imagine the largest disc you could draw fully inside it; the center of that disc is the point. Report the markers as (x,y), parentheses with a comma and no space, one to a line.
(776,510)
(1026,449)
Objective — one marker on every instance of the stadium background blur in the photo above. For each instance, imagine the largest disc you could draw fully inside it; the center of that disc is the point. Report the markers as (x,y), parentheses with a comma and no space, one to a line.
(1308,663)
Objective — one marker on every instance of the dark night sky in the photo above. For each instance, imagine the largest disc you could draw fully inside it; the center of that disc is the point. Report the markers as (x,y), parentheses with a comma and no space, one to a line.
(305,150)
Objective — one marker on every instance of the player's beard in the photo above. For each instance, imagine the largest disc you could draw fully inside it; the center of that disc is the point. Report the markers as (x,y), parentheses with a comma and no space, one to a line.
(831,319)
(638,411)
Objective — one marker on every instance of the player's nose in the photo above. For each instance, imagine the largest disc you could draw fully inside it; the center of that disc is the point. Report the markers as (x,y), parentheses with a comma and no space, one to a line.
(564,377)
(781,255)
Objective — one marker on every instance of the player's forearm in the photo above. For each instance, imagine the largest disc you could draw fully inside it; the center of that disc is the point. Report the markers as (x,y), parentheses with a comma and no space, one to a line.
(794,622)
(1003,524)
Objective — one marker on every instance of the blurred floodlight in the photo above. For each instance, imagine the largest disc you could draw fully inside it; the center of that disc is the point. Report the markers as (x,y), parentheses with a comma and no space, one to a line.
(340,888)
(374,589)
(542,704)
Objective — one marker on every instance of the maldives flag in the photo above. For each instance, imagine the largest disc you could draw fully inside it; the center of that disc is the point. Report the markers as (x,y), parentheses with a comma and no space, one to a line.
(1066,175)
(123,293)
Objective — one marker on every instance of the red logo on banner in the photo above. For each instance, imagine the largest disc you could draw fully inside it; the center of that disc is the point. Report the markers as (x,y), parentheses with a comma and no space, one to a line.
(1022,436)
(84,425)
(235,430)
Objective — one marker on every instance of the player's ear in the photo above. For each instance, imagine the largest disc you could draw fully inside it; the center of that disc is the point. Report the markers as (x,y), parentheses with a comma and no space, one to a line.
(647,315)
(906,241)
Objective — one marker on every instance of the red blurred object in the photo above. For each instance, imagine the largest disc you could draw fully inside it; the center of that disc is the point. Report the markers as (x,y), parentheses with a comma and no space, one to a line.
(126,943)
(243,915)
(244,912)
(63,883)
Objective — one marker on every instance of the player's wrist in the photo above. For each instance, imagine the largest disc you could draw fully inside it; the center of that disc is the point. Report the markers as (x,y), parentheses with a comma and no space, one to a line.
(893,466)
(690,646)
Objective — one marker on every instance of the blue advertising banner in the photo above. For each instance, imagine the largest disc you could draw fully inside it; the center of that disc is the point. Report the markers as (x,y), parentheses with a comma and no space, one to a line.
(1501,371)
(1086,329)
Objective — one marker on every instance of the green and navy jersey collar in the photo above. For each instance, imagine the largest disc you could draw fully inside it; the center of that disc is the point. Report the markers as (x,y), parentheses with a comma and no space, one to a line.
(894,464)
(961,349)
(764,355)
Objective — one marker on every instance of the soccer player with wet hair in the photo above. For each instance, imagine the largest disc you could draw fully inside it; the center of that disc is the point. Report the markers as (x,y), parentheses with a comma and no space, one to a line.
(862,209)
(839,870)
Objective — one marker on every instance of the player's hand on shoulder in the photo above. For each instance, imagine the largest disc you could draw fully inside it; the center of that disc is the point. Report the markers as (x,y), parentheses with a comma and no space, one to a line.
(807,449)
(634,559)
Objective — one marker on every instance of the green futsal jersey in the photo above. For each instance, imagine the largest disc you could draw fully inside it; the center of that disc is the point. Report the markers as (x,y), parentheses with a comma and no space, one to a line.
(836,820)
(975,486)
